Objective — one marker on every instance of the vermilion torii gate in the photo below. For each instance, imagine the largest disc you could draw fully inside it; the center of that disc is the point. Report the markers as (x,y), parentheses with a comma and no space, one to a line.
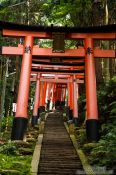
(60,92)
(29,51)
(60,81)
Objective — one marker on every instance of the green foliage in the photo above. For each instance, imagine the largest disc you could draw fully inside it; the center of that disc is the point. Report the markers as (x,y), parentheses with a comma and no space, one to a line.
(87,147)
(80,134)
(16,156)
(7,121)
(10,159)
(65,118)
(42,116)
(103,152)
(82,108)
(107,100)
(21,164)
(9,149)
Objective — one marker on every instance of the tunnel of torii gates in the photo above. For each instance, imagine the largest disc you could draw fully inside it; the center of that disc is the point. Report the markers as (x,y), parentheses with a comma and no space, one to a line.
(57,69)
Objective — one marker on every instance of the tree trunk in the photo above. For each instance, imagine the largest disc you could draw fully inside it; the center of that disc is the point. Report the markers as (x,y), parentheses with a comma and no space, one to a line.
(106,71)
(97,20)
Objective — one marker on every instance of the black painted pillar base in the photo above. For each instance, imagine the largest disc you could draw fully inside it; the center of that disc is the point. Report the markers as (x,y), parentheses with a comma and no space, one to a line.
(34,120)
(48,104)
(41,109)
(92,130)
(67,109)
(19,128)
(38,112)
(62,103)
(57,104)
(70,114)
(76,121)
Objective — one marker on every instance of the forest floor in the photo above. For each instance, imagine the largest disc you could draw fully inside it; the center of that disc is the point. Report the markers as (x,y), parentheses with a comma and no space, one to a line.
(16,156)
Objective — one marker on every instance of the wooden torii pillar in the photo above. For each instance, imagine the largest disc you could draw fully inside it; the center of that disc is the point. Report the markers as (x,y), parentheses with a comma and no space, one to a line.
(44,93)
(92,122)
(63,96)
(36,102)
(21,117)
(73,98)
(58,95)
(42,96)
(49,93)
(54,95)
(75,103)
(68,85)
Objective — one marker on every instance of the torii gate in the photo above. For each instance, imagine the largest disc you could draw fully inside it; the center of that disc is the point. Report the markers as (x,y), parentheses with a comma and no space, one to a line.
(50,80)
(28,50)
(59,100)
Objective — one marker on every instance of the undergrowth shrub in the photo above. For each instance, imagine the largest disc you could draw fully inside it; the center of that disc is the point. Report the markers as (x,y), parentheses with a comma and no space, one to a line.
(102,153)
(6,122)
(9,149)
